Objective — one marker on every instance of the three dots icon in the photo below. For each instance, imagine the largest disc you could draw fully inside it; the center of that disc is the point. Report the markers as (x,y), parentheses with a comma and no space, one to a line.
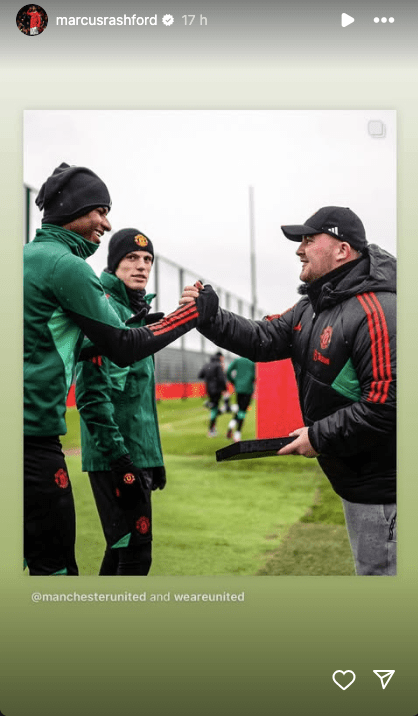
(383,20)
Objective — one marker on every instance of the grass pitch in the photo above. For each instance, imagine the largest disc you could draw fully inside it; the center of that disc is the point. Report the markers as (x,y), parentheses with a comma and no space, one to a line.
(272,516)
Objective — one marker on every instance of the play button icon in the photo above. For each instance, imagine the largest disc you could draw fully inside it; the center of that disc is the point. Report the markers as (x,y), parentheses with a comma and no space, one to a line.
(346,19)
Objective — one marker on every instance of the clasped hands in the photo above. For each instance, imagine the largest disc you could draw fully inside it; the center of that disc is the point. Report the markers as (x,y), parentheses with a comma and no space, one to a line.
(191,293)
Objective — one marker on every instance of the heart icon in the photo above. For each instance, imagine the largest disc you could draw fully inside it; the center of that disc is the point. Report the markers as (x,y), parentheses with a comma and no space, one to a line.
(343,673)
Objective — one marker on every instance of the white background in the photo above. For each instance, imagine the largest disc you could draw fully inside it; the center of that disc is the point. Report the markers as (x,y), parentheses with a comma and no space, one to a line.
(183,177)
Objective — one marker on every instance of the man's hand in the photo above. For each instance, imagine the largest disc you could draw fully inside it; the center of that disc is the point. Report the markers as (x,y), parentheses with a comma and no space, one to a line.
(159,480)
(300,446)
(154,317)
(190,293)
(138,317)
(206,300)
(143,315)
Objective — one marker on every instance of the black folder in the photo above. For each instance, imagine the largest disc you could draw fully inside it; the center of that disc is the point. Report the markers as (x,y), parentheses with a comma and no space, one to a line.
(248,449)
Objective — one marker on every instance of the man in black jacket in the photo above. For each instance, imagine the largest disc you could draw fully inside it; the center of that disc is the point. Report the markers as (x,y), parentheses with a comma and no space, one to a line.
(340,337)
(213,375)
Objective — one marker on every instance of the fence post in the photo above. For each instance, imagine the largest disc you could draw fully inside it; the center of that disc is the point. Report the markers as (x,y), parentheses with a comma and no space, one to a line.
(157,282)
(182,343)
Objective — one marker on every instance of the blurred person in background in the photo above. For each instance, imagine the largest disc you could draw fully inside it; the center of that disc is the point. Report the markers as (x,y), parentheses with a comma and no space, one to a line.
(241,373)
(214,376)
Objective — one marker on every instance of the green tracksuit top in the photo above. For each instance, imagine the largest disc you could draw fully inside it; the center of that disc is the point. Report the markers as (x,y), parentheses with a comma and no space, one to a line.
(241,372)
(117,405)
(57,280)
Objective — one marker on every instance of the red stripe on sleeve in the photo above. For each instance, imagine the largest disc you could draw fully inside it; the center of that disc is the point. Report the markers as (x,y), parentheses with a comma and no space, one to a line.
(174,320)
(379,338)
(370,324)
(386,364)
(379,347)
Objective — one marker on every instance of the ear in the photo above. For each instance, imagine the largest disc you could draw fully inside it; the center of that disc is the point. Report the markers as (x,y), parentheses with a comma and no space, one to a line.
(344,251)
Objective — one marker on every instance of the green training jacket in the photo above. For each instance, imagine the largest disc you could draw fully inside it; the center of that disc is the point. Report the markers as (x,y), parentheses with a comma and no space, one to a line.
(117,405)
(58,285)
(64,299)
(241,372)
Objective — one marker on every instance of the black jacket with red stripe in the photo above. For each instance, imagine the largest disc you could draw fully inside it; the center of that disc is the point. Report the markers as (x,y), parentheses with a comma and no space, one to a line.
(341,340)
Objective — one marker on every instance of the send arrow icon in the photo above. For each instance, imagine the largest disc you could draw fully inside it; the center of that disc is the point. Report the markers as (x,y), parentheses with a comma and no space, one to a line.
(384,676)
(346,19)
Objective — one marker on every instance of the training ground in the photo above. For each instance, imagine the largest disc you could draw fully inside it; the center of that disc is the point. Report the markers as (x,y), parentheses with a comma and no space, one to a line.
(268,517)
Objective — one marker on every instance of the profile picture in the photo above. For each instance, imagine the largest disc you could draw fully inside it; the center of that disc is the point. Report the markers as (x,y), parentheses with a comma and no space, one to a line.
(31,20)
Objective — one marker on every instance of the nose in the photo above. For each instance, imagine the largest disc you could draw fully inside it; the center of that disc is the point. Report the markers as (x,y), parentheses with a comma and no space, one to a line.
(106,223)
(300,250)
(139,262)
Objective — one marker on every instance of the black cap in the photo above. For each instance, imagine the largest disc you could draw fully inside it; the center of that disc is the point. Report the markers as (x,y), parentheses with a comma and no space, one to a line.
(125,241)
(71,192)
(337,221)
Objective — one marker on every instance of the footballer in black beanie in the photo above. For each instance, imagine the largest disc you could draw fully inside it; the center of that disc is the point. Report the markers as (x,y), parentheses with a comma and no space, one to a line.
(125,241)
(71,192)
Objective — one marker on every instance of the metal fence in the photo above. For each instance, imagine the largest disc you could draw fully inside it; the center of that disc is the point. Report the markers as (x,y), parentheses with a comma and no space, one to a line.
(181,362)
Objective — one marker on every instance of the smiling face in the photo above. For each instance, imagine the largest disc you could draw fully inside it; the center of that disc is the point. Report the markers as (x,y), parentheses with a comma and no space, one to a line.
(134,269)
(91,226)
(321,254)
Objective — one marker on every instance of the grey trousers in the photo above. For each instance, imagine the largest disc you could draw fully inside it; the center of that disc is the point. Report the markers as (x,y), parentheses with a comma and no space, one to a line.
(372,534)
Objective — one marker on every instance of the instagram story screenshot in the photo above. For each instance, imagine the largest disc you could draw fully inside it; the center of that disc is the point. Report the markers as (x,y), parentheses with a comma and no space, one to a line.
(202,436)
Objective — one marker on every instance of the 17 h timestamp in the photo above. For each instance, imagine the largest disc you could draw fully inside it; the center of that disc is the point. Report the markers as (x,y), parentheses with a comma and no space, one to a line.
(189,19)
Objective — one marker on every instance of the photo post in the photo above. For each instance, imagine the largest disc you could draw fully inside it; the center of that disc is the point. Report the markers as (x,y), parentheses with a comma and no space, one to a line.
(205,207)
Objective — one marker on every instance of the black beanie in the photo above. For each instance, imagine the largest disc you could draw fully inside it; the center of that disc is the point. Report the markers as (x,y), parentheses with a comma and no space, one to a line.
(71,192)
(125,241)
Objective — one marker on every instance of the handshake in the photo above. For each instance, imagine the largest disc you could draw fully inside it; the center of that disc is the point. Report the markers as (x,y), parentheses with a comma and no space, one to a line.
(205,298)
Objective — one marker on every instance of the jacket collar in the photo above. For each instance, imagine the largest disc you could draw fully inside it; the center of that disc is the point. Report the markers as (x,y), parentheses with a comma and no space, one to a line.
(374,271)
(321,290)
(77,244)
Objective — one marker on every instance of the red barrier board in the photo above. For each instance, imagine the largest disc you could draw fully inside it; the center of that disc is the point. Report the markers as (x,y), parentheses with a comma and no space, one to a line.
(164,391)
(278,409)
(170,391)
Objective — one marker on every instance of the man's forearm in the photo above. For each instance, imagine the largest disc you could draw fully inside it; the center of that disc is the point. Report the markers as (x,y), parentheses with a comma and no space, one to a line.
(257,340)
(125,347)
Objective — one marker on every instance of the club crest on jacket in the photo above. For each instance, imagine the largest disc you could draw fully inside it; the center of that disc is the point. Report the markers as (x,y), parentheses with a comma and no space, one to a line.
(325,337)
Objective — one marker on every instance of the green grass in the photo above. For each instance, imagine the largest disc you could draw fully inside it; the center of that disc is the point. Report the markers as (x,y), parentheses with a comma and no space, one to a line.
(267,516)
(314,550)
(318,544)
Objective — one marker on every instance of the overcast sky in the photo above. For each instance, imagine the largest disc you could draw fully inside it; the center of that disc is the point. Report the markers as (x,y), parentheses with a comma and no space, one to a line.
(183,177)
